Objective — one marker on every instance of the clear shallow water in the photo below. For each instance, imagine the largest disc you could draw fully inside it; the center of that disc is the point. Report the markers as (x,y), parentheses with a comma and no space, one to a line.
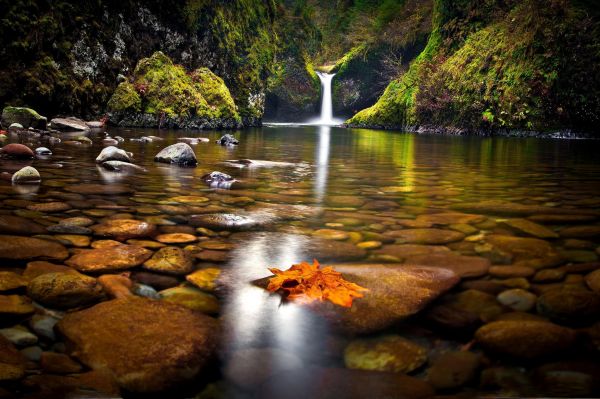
(341,172)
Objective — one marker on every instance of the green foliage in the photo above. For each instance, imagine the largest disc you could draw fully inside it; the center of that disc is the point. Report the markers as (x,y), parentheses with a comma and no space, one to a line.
(159,86)
(500,68)
(216,93)
(125,98)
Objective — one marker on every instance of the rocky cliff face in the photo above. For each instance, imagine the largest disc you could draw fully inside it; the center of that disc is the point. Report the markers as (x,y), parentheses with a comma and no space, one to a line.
(525,65)
(65,57)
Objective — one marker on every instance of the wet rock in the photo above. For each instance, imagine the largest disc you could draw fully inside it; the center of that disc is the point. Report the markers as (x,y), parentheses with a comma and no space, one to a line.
(180,153)
(69,125)
(11,281)
(37,268)
(155,280)
(205,279)
(176,238)
(69,229)
(18,225)
(529,228)
(447,218)
(561,219)
(511,271)
(463,266)
(452,320)
(122,334)
(517,299)
(218,179)
(113,154)
(12,362)
(43,326)
(100,189)
(42,151)
(145,291)
(592,280)
(395,293)
(192,298)
(231,222)
(476,302)
(499,207)
(487,286)
(525,339)
(388,353)
(403,251)
(170,260)
(19,336)
(330,234)
(581,231)
(100,260)
(49,207)
(58,363)
(227,139)
(344,383)
(15,305)
(26,175)
(17,151)
(124,229)
(64,290)
(453,369)
(345,201)
(116,285)
(25,248)
(425,236)
(369,244)
(32,353)
(91,384)
(26,117)
(569,305)
(548,276)
(521,247)
(118,166)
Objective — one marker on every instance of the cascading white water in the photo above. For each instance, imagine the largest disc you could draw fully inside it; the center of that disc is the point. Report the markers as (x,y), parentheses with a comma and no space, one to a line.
(326,103)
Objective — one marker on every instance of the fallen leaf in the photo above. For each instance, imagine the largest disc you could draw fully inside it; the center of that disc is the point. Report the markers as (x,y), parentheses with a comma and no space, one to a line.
(306,283)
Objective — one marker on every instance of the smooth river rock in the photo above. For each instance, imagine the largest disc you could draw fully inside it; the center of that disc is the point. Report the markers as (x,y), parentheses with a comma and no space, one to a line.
(19,225)
(395,293)
(26,175)
(146,345)
(463,266)
(180,154)
(124,229)
(524,339)
(170,260)
(25,248)
(112,153)
(388,353)
(425,236)
(64,290)
(12,362)
(118,257)
(232,222)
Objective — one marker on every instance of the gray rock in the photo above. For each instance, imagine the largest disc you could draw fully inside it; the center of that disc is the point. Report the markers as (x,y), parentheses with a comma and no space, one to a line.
(43,151)
(26,175)
(180,153)
(19,336)
(95,124)
(113,154)
(119,166)
(145,291)
(227,139)
(218,179)
(43,326)
(33,353)
(69,125)
(69,229)
(517,299)
(15,126)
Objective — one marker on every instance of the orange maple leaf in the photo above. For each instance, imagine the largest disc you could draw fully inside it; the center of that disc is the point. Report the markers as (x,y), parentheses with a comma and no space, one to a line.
(306,283)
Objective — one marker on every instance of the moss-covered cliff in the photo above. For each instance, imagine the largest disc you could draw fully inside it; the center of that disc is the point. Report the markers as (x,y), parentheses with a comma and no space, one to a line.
(64,56)
(531,65)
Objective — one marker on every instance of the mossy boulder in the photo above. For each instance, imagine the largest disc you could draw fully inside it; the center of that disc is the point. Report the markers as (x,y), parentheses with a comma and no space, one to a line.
(125,98)
(216,93)
(27,117)
(164,94)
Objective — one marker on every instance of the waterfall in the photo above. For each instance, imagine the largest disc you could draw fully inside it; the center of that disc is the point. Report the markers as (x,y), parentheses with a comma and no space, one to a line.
(326,105)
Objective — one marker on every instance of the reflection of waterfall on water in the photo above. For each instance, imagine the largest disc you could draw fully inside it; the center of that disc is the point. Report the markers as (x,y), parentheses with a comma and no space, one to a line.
(326,102)
(322,158)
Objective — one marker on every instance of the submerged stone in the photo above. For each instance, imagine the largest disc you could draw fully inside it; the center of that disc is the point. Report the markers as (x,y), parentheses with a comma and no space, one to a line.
(27,175)
(425,236)
(24,248)
(170,260)
(64,290)
(124,229)
(131,338)
(388,353)
(108,259)
(525,339)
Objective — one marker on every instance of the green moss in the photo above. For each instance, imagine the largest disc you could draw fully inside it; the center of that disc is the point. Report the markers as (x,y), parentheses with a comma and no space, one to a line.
(216,93)
(125,98)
